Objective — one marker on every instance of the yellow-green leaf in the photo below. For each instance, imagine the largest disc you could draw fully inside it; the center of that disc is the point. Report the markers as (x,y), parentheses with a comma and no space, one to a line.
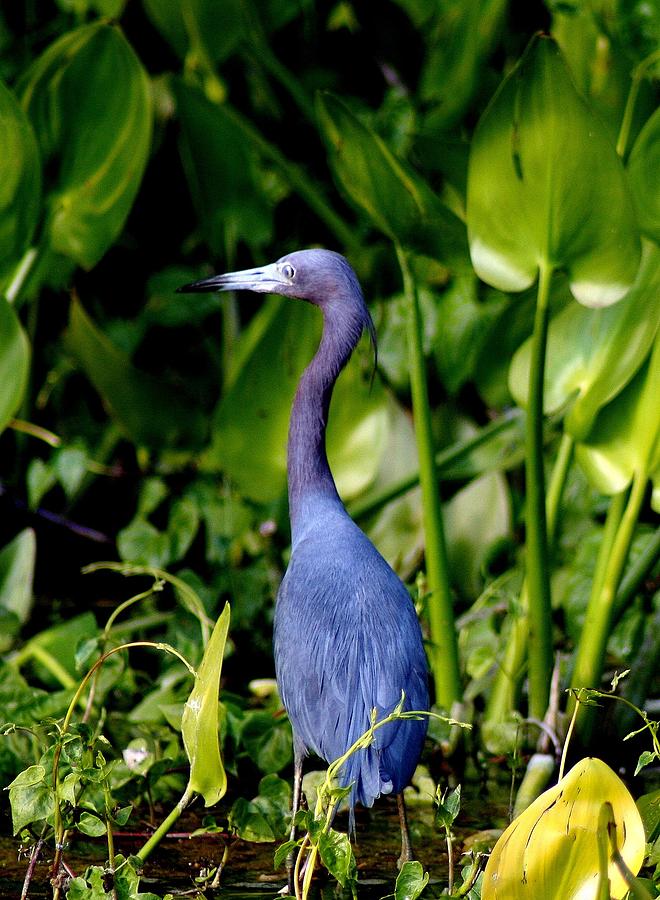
(551,849)
(199,723)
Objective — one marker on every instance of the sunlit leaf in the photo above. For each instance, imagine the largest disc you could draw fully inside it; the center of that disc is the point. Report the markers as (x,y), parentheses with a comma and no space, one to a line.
(593,354)
(96,151)
(31,798)
(396,199)
(149,409)
(337,856)
(199,723)
(545,185)
(248,822)
(20,181)
(551,849)
(16,574)
(251,423)
(14,362)
(643,168)
(624,437)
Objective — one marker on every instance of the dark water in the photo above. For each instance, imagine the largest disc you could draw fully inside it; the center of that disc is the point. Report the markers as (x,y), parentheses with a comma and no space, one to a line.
(249,871)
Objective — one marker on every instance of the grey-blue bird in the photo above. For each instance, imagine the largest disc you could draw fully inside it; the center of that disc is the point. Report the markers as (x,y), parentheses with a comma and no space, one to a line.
(346,638)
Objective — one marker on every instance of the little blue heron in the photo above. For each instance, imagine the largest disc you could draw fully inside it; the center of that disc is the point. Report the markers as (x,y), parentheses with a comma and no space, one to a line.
(346,637)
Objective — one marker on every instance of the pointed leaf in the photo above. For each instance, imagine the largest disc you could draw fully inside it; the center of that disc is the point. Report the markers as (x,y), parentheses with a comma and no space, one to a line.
(96,150)
(396,199)
(20,181)
(624,438)
(643,168)
(546,185)
(16,574)
(551,849)
(411,881)
(149,409)
(14,362)
(221,171)
(199,723)
(593,354)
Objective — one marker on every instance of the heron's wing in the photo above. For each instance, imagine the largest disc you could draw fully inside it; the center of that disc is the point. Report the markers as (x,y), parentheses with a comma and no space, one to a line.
(347,641)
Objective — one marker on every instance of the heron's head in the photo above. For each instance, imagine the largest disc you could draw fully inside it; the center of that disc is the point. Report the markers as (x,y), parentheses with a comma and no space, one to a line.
(321,277)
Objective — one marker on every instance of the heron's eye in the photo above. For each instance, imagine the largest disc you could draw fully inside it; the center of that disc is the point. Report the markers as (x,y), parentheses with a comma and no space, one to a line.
(288,271)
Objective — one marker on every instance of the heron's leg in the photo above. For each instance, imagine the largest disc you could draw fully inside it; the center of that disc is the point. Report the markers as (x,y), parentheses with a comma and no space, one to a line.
(406,845)
(295,806)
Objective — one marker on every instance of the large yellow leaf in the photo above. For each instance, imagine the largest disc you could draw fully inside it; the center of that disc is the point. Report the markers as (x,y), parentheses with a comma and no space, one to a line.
(550,852)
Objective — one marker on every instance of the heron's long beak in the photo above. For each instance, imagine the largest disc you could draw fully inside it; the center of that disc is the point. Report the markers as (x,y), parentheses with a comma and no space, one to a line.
(263,279)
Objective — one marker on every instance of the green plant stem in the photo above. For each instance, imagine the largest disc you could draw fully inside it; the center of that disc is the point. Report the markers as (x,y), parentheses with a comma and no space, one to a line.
(34,651)
(165,825)
(444,460)
(444,647)
(595,632)
(36,431)
(637,572)
(297,178)
(638,76)
(612,522)
(506,686)
(537,567)
(21,274)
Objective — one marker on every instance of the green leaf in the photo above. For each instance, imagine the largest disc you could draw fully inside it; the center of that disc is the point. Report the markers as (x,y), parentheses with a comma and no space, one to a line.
(91,825)
(60,642)
(396,199)
(643,168)
(267,741)
(545,185)
(97,151)
(624,436)
(149,409)
(411,881)
(448,809)
(16,574)
(31,798)
(199,723)
(249,823)
(221,169)
(202,28)
(14,362)
(593,354)
(461,37)
(20,182)
(337,856)
(550,850)
(251,422)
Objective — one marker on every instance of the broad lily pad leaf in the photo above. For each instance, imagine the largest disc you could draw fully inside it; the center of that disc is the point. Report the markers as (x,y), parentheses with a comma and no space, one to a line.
(221,171)
(14,362)
(96,150)
(20,180)
(149,409)
(199,723)
(593,354)
(396,199)
(16,574)
(643,168)
(551,849)
(251,422)
(529,202)
(624,439)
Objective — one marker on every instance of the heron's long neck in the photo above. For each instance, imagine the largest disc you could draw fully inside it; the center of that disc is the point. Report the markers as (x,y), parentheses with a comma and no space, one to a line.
(310,478)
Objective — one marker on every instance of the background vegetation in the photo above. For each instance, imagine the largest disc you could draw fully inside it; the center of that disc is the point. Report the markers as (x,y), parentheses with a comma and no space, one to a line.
(508,248)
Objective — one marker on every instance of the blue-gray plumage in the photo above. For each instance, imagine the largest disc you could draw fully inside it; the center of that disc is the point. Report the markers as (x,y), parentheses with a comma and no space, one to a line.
(347,639)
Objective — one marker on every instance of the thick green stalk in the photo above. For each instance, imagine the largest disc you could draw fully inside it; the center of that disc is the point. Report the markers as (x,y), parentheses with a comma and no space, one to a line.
(506,686)
(612,522)
(596,630)
(537,567)
(165,825)
(444,647)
